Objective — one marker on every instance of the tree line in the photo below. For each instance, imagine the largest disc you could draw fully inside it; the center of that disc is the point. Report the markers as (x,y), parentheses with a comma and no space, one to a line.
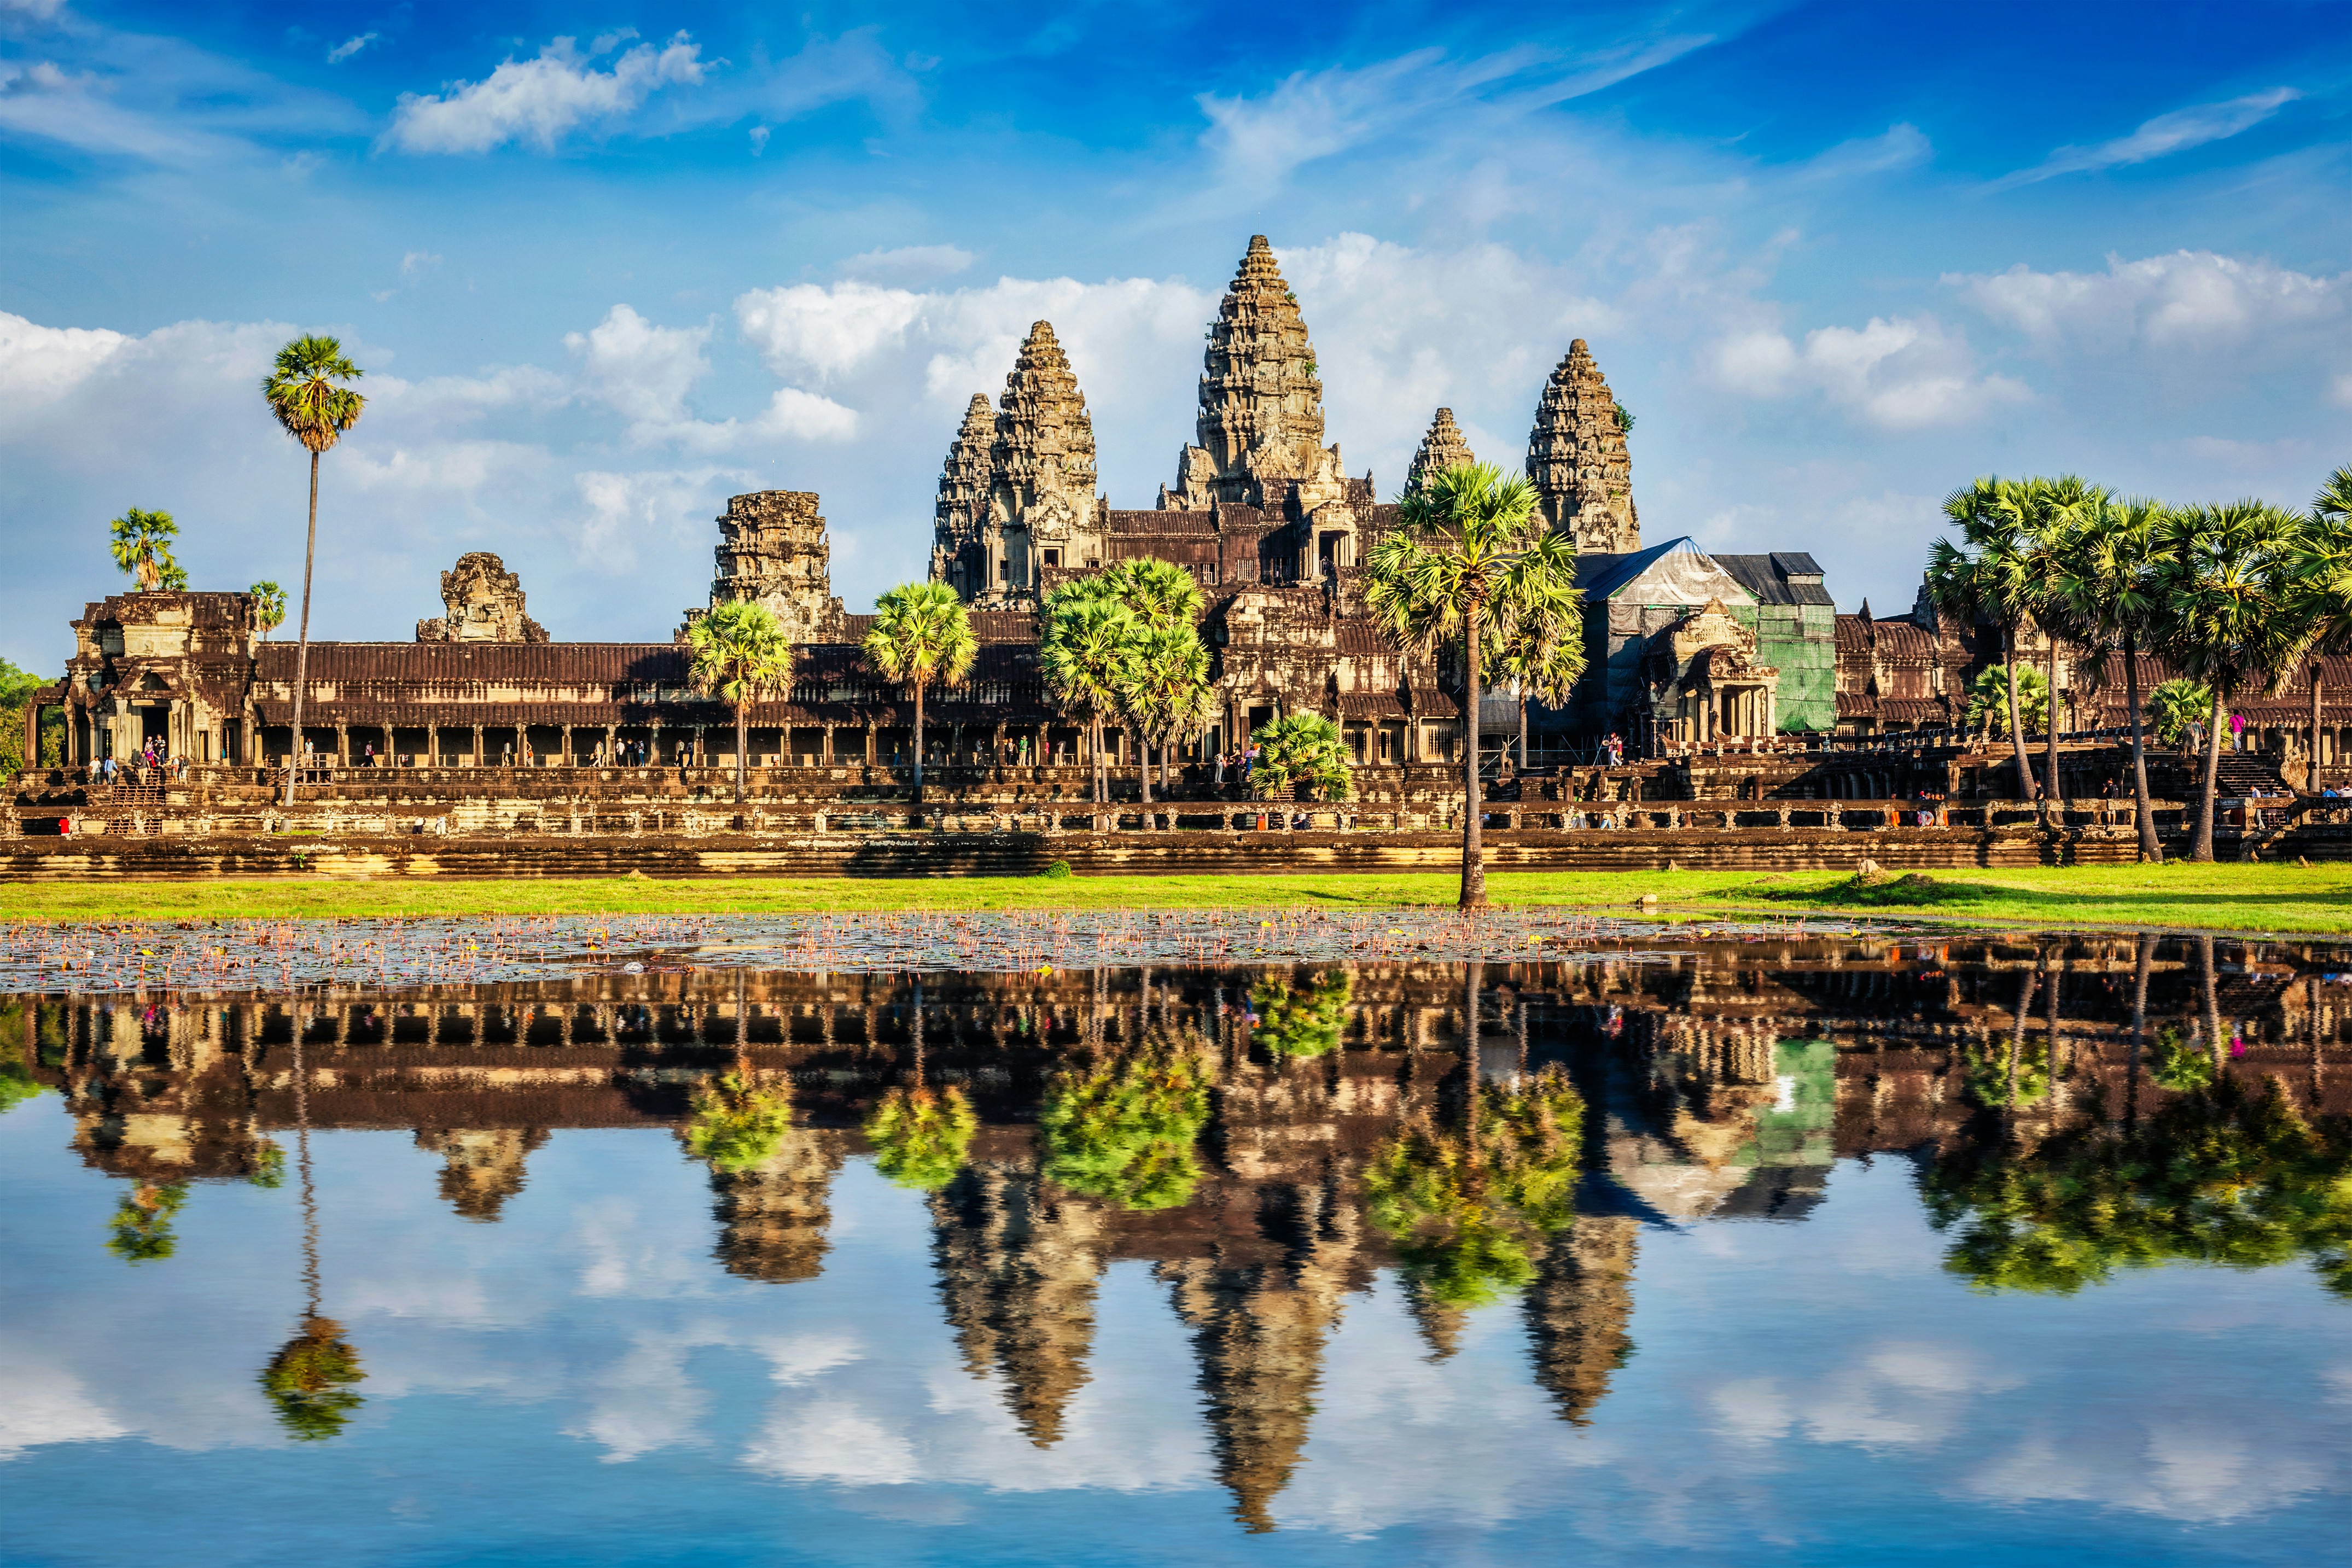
(2232,596)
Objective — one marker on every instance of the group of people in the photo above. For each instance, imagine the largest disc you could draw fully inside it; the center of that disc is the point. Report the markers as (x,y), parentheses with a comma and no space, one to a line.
(1233,768)
(151,763)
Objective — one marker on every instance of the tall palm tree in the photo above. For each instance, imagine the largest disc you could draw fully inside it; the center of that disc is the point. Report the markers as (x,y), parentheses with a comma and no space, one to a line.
(269,607)
(2223,576)
(1087,655)
(1989,576)
(1167,692)
(309,1380)
(1470,558)
(740,654)
(2058,510)
(307,391)
(921,635)
(142,547)
(2101,595)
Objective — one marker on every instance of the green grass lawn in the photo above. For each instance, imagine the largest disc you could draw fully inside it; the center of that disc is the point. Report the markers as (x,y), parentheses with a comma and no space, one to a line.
(2262,897)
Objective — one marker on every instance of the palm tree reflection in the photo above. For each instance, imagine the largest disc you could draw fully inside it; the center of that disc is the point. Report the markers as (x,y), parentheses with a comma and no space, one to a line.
(309,1380)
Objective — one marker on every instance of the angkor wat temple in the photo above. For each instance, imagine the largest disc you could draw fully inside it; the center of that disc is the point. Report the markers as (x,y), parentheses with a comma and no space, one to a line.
(1691,654)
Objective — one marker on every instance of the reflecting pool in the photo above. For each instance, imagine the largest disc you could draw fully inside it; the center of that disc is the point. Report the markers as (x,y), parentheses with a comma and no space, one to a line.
(1250,1244)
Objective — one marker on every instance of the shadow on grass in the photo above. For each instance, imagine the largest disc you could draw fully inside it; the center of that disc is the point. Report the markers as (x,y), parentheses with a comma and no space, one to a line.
(1913,891)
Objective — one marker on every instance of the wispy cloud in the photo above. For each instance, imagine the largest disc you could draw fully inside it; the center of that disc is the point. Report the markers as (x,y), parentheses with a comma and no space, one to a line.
(2177,131)
(351,46)
(544,100)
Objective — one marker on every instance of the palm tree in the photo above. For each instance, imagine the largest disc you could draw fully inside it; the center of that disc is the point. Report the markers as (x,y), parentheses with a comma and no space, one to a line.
(309,1380)
(269,607)
(1471,558)
(2061,509)
(920,635)
(2222,576)
(1166,693)
(1543,657)
(1301,749)
(1086,654)
(740,654)
(1163,598)
(2102,593)
(1989,576)
(2175,706)
(305,390)
(2322,588)
(142,548)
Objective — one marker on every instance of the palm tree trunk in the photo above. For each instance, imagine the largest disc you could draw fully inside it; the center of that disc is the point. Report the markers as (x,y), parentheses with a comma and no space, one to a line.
(302,646)
(1474,855)
(2212,1007)
(1102,768)
(2146,945)
(742,744)
(2052,722)
(919,742)
(2311,774)
(2149,848)
(2016,714)
(2200,849)
(1523,727)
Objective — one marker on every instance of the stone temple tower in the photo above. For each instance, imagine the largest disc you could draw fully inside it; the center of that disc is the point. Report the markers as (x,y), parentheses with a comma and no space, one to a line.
(773,548)
(1440,449)
(1017,496)
(1261,419)
(1576,457)
(959,556)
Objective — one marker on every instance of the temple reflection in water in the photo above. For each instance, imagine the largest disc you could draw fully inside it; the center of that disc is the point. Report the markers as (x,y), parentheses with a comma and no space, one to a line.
(1268,1142)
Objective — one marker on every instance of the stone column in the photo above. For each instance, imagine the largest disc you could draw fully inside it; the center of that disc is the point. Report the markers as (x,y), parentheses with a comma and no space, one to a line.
(611,743)
(478,759)
(569,756)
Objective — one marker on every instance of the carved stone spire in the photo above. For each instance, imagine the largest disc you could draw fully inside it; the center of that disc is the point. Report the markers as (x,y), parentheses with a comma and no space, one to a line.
(1577,1309)
(1576,457)
(1018,1264)
(1261,419)
(1440,449)
(957,556)
(1042,508)
(484,603)
(1044,440)
(483,1167)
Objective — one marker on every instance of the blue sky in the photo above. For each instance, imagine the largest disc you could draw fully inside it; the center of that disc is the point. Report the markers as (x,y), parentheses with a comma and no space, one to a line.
(607,266)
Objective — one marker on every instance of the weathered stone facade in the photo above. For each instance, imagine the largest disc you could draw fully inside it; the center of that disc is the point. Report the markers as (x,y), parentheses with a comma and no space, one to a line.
(773,548)
(1261,419)
(1577,459)
(961,552)
(1440,449)
(483,603)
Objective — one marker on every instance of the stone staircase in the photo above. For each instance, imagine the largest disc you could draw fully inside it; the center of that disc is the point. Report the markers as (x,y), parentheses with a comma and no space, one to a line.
(2243,773)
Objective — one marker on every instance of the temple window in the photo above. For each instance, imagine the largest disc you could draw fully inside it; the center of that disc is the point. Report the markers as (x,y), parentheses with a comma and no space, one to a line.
(1053,558)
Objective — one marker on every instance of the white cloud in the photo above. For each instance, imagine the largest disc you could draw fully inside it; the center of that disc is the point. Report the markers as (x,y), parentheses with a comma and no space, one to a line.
(1257,141)
(2177,132)
(39,10)
(45,100)
(540,100)
(642,370)
(1904,373)
(351,46)
(2190,296)
(416,261)
(834,1440)
(760,134)
(670,509)
(2343,389)
(827,331)
(909,263)
(47,1404)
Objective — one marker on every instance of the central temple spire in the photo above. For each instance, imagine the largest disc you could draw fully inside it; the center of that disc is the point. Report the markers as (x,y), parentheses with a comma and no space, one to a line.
(1260,417)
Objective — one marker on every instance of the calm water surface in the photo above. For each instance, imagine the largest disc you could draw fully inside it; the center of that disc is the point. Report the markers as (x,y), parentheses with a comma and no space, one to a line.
(1802,1249)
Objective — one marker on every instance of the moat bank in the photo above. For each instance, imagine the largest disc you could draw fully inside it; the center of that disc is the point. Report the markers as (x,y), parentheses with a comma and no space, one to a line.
(2280,899)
